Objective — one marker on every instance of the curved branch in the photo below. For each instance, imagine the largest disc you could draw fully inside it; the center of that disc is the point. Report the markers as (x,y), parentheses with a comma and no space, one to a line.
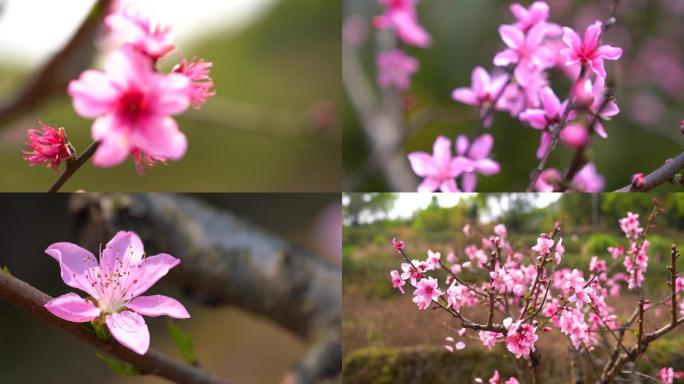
(226,260)
(73,166)
(32,301)
(660,176)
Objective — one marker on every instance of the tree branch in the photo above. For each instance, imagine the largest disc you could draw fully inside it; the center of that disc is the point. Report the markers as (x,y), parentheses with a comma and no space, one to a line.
(659,176)
(32,301)
(228,261)
(73,166)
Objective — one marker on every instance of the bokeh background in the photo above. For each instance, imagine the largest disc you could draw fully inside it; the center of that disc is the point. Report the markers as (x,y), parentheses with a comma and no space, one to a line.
(386,339)
(228,342)
(273,125)
(649,79)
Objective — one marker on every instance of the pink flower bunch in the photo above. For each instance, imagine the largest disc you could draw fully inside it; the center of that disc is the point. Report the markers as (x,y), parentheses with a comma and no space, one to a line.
(48,146)
(440,170)
(534,46)
(132,102)
(114,286)
(530,296)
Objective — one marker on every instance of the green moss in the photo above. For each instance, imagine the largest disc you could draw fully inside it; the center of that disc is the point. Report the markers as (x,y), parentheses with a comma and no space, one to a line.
(421,365)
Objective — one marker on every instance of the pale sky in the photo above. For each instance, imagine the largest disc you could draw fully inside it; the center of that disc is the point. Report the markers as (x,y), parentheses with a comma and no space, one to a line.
(30,30)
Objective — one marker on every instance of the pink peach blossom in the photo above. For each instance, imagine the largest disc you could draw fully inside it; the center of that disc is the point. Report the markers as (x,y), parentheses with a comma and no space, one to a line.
(114,286)
(483,91)
(400,15)
(588,51)
(132,105)
(395,68)
(473,158)
(48,146)
(426,292)
(147,36)
(197,72)
(438,170)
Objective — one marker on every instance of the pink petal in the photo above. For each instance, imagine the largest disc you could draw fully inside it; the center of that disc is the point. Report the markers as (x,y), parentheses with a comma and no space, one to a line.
(125,27)
(465,96)
(487,167)
(129,329)
(591,36)
(125,247)
(571,39)
(127,66)
(506,57)
(611,109)
(539,10)
(536,34)
(114,147)
(480,79)
(160,137)
(72,307)
(172,96)
(92,94)
(600,130)
(459,165)
(409,30)
(74,262)
(421,163)
(449,186)
(610,52)
(152,269)
(597,66)
(441,150)
(535,117)
(462,145)
(552,105)
(158,305)
(518,11)
(429,185)
(481,147)
(511,36)
(469,182)
(544,142)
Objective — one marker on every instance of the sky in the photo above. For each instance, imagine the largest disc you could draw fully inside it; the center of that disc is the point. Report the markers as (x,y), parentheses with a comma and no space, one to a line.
(408,203)
(31,30)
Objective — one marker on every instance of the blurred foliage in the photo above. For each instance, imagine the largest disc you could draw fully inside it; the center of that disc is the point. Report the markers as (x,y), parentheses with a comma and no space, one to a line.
(465,35)
(368,204)
(287,60)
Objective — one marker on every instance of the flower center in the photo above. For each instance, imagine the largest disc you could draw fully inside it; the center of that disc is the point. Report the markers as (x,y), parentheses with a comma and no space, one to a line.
(132,104)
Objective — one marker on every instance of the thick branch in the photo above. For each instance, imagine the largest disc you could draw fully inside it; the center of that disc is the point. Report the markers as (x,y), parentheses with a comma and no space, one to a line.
(225,260)
(660,176)
(32,301)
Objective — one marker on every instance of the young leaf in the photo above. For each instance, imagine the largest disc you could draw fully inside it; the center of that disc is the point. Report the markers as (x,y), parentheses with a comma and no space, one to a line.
(6,270)
(117,365)
(183,341)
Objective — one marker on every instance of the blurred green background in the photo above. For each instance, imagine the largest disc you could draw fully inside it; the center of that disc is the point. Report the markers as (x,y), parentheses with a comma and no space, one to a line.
(228,341)
(649,80)
(278,74)
(385,339)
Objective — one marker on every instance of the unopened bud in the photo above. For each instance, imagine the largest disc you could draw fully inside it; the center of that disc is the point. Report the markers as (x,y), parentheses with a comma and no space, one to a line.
(638,181)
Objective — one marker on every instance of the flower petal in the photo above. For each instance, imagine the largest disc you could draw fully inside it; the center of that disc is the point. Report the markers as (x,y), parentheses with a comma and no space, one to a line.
(441,151)
(464,95)
(480,79)
(487,167)
(422,163)
(552,106)
(92,94)
(535,117)
(469,182)
(597,66)
(152,269)
(571,39)
(591,36)
(429,185)
(129,329)
(506,57)
(158,305)
(72,307)
(114,147)
(125,247)
(609,52)
(449,186)
(172,95)
(127,66)
(511,36)
(74,262)
(481,147)
(160,137)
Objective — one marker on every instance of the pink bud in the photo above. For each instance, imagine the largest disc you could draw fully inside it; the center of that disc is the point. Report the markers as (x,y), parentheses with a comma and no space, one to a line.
(638,180)
(398,244)
(575,135)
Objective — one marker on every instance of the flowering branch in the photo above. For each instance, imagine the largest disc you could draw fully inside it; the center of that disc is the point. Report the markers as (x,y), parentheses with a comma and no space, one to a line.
(72,166)
(226,261)
(31,300)
(662,175)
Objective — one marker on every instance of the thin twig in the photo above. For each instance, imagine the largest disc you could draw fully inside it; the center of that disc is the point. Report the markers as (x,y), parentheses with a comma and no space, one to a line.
(73,166)
(660,176)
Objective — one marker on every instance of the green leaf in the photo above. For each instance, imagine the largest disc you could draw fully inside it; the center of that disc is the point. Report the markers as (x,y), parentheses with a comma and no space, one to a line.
(6,270)
(117,365)
(183,342)
(100,328)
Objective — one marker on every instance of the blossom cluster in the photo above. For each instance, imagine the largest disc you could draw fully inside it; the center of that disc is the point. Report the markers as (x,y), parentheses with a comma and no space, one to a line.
(527,291)
(520,85)
(132,101)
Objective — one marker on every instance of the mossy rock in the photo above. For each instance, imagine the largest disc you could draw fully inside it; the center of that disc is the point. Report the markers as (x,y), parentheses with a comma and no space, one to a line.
(376,365)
